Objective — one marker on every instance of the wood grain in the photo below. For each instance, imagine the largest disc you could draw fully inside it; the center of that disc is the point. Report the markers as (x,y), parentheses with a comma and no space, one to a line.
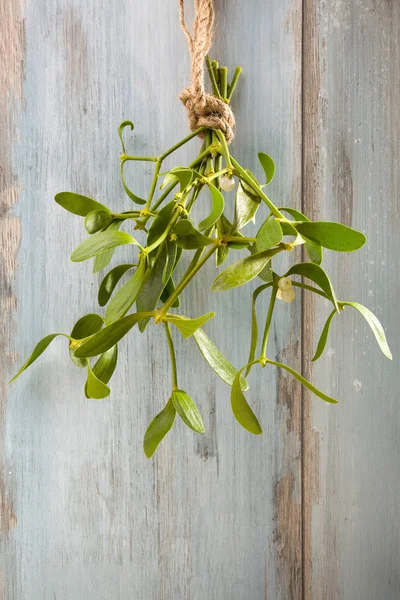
(217,516)
(307,511)
(351,152)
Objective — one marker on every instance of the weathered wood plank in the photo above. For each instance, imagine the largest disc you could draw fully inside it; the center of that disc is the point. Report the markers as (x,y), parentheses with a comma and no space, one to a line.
(211,517)
(351,141)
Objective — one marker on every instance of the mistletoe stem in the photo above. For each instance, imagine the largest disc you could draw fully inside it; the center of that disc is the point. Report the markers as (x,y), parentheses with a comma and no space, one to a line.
(172,355)
(254,186)
(187,279)
(268,323)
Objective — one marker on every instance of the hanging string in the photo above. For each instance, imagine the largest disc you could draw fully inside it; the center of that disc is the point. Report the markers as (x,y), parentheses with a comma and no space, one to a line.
(203,109)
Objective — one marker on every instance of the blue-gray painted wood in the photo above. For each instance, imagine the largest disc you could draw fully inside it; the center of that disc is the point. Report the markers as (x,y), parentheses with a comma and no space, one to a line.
(351,175)
(93,517)
(308,510)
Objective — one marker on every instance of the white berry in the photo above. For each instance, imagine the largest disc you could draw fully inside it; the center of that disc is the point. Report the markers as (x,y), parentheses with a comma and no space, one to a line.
(287,296)
(284,284)
(227,183)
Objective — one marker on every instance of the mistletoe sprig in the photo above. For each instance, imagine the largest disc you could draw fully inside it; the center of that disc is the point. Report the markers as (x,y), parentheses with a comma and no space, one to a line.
(169,233)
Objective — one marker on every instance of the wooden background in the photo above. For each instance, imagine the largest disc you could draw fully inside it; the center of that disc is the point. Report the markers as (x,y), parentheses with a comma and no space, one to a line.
(311,509)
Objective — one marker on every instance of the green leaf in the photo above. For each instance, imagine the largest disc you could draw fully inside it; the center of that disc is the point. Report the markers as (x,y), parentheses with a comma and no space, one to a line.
(187,326)
(241,272)
(160,223)
(77,204)
(246,207)
(129,192)
(158,428)
(168,179)
(184,176)
(104,367)
(84,327)
(270,234)
(217,207)
(241,409)
(103,259)
(266,274)
(100,242)
(108,337)
(333,236)
(375,325)
(153,285)
(248,190)
(94,387)
(188,238)
(324,337)
(222,251)
(305,382)
(268,165)
(97,220)
(187,410)
(38,350)
(171,251)
(120,132)
(87,325)
(254,326)
(313,249)
(167,291)
(317,275)
(124,298)
(109,282)
(221,255)
(217,361)
(289,229)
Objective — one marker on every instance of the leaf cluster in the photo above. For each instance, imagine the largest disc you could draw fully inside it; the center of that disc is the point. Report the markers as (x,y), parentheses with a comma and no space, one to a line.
(161,233)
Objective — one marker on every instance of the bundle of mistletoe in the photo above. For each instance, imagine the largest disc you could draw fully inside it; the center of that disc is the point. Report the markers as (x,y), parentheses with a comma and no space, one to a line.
(167,234)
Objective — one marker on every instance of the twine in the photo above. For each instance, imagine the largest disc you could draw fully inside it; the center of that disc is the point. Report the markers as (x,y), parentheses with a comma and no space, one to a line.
(203,109)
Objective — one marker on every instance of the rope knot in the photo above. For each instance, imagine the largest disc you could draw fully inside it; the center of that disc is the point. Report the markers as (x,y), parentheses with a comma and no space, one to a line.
(208,111)
(203,109)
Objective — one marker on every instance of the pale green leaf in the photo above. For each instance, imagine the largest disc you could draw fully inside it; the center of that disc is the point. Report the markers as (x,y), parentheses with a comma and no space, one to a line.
(95,388)
(121,128)
(246,207)
(333,236)
(217,207)
(217,361)
(38,350)
(324,337)
(184,175)
(100,242)
(128,191)
(270,234)
(304,381)
(106,338)
(268,165)
(375,325)
(110,281)
(187,410)
(78,204)
(187,326)
(153,285)
(241,409)
(313,249)
(189,238)
(103,259)
(241,272)
(124,298)
(84,327)
(317,275)
(158,428)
